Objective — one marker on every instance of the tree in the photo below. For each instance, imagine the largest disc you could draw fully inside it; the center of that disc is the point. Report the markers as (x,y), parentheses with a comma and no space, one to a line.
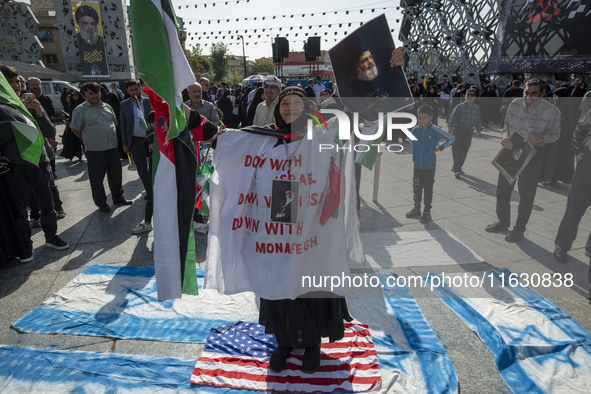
(219,61)
(263,65)
(199,63)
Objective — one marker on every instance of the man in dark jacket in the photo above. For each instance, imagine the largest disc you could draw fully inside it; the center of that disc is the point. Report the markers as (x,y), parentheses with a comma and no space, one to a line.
(133,133)
(24,175)
(46,102)
(579,196)
(310,89)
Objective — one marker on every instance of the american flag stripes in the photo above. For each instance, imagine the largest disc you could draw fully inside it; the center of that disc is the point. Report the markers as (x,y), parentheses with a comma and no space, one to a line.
(237,355)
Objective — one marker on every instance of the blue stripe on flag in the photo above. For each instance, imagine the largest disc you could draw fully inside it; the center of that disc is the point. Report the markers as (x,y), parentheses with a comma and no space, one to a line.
(47,319)
(436,367)
(514,359)
(145,272)
(40,370)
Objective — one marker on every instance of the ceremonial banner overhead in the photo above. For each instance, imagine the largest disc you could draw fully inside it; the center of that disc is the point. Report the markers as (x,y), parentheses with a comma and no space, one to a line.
(237,355)
(543,36)
(89,37)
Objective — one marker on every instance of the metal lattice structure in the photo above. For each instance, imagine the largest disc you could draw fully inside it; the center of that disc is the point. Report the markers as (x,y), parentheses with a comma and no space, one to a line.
(448,37)
(543,37)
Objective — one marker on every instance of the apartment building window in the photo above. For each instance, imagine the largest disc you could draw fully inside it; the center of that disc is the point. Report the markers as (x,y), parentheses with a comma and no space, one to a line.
(45,36)
(50,59)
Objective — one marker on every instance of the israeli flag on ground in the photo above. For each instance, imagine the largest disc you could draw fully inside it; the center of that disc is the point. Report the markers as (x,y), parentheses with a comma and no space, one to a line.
(121,302)
(537,347)
(27,370)
(411,358)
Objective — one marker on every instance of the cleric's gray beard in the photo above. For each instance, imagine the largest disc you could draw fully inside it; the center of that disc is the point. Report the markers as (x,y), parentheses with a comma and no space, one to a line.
(89,40)
(368,75)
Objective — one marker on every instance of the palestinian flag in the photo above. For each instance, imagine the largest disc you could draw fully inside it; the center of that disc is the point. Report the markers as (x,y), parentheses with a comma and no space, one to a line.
(369,157)
(333,194)
(160,59)
(203,181)
(163,66)
(28,138)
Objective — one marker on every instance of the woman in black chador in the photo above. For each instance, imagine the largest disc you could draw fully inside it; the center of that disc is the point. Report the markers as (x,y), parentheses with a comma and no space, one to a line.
(72,144)
(302,322)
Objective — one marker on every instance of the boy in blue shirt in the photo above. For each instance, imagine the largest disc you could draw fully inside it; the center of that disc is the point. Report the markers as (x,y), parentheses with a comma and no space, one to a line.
(430,140)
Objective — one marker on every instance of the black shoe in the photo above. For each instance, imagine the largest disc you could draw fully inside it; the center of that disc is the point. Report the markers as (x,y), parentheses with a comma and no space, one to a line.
(122,202)
(27,258)
(514,236)
(279,358)
(461,172)
(457,175)
(559,255)
(105,208)
(311,360)
(60,214)
(56,243)
(426,218)
(413,213)
(496,227)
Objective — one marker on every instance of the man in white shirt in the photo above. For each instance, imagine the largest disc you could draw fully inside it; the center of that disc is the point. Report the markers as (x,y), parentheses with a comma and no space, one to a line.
(264,113)
(318,87)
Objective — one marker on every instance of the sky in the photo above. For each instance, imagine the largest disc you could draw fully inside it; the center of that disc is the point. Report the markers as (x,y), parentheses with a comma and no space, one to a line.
(204,22)
(313,16)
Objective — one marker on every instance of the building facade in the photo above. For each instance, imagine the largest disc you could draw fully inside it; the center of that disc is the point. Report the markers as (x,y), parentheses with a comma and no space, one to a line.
(116,35)
(18,33)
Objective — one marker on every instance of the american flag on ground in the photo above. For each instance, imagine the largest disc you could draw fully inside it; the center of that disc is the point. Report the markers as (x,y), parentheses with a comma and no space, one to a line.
(237,355)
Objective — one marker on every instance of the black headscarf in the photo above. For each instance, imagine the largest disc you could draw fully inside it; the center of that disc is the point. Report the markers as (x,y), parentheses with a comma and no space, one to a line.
(562,92)
(301,121)
(256,100)
(280,128)
(579,90)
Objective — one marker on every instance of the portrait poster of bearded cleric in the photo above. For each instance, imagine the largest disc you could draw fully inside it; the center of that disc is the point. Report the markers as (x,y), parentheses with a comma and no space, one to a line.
(361,63)
(89,38)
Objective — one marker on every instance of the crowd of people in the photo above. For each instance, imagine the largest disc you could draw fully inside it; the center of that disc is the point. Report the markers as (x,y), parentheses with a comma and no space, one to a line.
(106,124)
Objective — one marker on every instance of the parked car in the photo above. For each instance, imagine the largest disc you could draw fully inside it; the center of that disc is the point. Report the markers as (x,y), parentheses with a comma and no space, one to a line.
(54,89)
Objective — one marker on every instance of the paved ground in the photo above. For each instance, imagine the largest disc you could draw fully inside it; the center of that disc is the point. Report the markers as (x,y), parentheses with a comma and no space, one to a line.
(462,207)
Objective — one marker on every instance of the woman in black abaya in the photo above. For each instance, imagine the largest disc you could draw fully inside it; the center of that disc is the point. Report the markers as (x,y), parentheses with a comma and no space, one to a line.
(72,144)
(302,322)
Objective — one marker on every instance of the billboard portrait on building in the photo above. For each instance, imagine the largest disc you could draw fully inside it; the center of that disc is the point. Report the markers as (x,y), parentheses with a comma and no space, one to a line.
(89,38)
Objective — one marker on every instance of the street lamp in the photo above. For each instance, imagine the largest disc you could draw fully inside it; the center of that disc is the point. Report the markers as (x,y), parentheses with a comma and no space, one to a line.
(243,56)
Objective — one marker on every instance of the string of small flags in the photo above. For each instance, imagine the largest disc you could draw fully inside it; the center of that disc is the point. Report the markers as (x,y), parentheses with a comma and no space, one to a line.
(210,36)
(204,5)
(291,16)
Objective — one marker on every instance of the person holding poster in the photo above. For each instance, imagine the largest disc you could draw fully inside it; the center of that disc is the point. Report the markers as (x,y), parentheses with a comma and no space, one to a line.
(280,211)
(539,123)
(93,58)
(368,81)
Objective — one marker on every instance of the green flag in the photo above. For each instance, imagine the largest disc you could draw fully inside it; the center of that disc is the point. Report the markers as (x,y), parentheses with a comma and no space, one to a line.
(28,138)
